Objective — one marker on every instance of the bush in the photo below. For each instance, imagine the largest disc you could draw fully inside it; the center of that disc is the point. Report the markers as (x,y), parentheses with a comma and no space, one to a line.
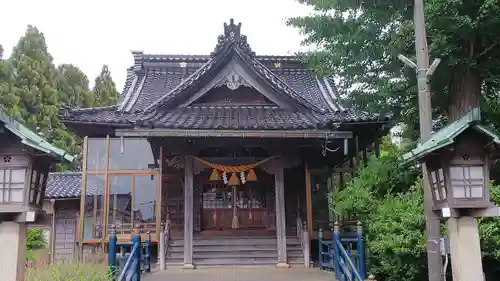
(395,237)
(35,240)
(388,196)
(386,175)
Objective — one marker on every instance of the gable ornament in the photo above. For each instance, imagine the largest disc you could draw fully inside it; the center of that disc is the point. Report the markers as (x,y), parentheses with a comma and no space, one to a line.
(233,81)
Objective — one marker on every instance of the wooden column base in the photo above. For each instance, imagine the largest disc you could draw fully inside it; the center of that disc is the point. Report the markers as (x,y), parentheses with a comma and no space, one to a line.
(282,265)
(188,266)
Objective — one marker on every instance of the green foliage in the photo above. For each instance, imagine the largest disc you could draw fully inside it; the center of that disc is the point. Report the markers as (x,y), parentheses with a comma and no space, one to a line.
(489,229)
(34,241)
(105,89)
(73,87)
(358,43)
(32,90)
(68,272)
(395,236)
(387,175)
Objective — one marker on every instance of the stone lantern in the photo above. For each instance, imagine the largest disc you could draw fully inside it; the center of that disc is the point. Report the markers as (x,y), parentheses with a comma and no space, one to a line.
(25,161)
(457,159)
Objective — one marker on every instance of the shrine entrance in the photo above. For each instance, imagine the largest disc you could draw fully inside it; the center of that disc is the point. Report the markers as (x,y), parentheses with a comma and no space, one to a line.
(236,193)
(247,207)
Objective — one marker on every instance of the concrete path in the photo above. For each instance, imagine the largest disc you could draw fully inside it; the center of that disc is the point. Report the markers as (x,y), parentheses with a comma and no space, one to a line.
(241,274)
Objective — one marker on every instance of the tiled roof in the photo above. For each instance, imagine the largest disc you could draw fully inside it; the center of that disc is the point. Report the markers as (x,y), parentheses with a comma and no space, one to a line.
(156,81)
(69,185)
(248,118)
(32,139)
(235,117)
(447,135)
(64,185)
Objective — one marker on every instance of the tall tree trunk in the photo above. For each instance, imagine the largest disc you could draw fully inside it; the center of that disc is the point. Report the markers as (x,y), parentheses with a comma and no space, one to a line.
(465,92)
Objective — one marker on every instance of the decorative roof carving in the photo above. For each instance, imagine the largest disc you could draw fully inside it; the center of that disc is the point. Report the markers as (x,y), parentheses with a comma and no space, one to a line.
(232,36)
(233,81)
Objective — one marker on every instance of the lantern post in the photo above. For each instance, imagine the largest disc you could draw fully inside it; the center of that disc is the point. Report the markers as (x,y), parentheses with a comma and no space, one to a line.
(25,160)
(457,159)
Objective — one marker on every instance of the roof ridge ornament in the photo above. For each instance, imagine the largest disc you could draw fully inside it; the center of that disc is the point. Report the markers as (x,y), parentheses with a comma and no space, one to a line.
(232,36)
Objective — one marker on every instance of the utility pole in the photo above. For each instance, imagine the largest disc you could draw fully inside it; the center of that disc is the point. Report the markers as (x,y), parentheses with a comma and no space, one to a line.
(433,222)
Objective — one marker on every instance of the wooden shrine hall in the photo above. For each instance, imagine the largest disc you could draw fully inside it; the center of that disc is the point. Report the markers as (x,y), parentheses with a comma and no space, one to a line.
(231,148)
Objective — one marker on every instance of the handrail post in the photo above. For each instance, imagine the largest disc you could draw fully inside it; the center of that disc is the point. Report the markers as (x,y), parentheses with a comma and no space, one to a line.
(148,251)
(161,250)
(361,250)
(136,241)
(307,248)
(336,250)
(320,247)
(112,252)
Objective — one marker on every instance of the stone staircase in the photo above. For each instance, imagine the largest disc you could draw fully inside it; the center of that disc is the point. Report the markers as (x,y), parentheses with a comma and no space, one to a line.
(211,252)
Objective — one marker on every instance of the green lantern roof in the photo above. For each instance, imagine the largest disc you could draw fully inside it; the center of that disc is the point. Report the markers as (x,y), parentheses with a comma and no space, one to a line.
(32,139)
(447,135)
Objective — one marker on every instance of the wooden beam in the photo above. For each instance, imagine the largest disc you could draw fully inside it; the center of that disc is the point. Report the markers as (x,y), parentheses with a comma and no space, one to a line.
(82,199)
(279,193)
(159,195)
(365,157)
(132,215)
(357,149)
(312,134)
(308,200)
(123,172)
(343,170)
(188,213)
(106,196)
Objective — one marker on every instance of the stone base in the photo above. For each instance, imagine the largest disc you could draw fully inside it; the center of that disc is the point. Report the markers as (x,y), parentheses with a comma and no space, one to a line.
(282,265)
(13,242)
(188,266)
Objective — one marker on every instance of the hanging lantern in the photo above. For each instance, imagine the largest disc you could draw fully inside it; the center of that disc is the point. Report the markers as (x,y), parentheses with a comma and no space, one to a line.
(251,175)
(233,180)
(215,175)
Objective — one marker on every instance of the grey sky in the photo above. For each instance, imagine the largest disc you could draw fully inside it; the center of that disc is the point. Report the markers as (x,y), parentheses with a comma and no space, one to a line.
(95,32)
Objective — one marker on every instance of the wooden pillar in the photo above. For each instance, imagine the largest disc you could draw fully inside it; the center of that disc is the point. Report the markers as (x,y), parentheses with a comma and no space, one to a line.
(308,200)
(279,184)
(358,151)
(83,197)
(188,213)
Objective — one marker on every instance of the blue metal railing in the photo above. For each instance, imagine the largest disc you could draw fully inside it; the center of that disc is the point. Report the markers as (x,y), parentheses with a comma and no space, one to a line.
(128,266)
(343,254)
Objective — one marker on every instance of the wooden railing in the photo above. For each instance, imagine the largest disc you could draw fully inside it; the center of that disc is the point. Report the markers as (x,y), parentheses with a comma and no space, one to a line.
(163,244)
(344,254)
(303,236)
(136,262)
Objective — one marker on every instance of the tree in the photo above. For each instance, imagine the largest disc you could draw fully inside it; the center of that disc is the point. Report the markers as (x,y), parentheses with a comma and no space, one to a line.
(105,92)
(359,43)
(73,87)
(8,100)
(33,83)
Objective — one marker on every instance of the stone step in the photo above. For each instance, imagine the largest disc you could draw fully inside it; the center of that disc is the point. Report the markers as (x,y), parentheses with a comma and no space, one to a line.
(215,248)
(235,255)
(249,253)
(227,242)
(215,252)
(233,261)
